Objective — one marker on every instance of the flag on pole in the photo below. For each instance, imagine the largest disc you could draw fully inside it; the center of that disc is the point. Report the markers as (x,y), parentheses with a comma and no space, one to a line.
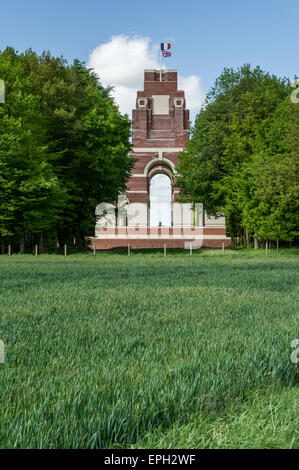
(165,46)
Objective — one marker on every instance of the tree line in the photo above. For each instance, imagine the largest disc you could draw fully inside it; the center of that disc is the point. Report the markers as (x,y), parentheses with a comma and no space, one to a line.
(63,149)
(242,157)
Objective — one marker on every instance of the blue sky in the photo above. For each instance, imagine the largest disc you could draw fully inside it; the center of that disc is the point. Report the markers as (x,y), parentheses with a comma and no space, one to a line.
(206,35)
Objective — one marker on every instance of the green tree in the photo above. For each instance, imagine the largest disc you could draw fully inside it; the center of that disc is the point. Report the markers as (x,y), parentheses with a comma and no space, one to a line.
(231,128)
(90,138)
(267,185)
(63,148)
(30,193)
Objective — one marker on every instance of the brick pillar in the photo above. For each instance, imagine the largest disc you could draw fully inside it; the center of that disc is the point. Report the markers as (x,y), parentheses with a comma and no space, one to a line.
(160,132)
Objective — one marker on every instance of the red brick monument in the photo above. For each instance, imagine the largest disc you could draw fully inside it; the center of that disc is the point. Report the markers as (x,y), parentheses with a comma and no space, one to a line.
(160,132)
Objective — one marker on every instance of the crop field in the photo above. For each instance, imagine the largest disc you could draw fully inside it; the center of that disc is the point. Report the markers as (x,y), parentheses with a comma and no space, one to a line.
(111,351)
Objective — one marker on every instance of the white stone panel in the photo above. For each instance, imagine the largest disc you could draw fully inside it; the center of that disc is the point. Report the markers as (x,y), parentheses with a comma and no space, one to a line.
(199,215)
(137,214)
(182,214)
(219,221)
(160,104)
(105,214)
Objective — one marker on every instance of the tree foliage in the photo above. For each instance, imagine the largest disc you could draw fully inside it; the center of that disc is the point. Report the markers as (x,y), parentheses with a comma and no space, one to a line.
(63,148)
(242,157)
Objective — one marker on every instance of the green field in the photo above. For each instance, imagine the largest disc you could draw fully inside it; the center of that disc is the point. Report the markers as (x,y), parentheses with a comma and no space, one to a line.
(148,351)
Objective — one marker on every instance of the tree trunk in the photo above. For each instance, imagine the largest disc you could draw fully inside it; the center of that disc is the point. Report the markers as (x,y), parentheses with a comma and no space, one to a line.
(56,245)
(256,243)
(277,245)
(247,238)
(2,246)
(22,245)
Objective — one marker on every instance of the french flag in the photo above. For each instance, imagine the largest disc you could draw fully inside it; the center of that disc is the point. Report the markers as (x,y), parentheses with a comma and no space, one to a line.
(165,46)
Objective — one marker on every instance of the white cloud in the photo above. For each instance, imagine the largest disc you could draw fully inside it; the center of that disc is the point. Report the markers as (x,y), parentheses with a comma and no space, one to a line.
(120,63)
(193,92)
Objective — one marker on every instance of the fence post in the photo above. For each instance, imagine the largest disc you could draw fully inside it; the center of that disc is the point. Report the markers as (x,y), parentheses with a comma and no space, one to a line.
(36,250)
(223,248)
(65,250)
(129,250)
(164,249)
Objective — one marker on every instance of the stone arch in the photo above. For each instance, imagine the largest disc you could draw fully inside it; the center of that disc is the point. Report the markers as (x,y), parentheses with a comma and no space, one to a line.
(160,169)
(157,162)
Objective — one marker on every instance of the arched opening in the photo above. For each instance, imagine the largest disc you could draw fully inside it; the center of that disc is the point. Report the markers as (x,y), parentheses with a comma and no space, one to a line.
(160,201)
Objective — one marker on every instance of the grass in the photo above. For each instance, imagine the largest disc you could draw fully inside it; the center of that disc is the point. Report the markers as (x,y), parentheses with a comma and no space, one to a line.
(146,351)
